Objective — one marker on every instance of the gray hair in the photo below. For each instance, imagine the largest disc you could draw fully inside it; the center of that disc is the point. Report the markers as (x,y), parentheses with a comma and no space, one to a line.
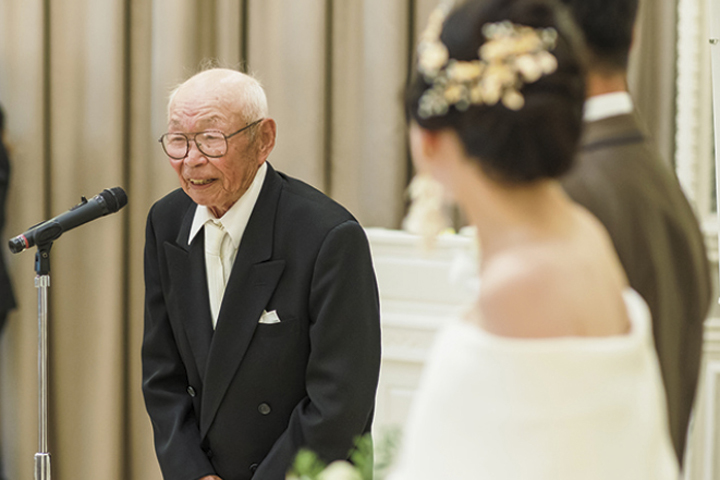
(253,97)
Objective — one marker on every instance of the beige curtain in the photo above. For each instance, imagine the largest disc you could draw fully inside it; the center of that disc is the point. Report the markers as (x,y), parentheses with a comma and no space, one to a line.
(84,84)
(651,75)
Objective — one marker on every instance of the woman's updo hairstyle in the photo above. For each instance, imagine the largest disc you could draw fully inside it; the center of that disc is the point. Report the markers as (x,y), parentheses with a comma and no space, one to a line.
(536,138)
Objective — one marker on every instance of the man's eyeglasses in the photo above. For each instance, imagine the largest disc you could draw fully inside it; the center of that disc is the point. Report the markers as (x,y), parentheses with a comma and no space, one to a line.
(210,143)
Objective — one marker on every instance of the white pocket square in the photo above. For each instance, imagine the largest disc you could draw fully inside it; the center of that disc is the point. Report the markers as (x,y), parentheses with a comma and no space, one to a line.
(269,317)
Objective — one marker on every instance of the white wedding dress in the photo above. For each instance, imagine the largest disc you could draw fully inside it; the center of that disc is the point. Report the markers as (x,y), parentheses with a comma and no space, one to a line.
(571,408)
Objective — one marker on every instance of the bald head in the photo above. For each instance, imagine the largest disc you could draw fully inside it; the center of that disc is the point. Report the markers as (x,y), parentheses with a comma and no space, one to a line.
(228,89)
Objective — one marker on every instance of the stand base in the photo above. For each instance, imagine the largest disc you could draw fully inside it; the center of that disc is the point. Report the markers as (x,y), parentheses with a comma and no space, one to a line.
(42,466)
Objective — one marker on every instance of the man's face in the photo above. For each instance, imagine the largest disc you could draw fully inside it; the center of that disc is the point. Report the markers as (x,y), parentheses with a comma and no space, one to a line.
(214,182)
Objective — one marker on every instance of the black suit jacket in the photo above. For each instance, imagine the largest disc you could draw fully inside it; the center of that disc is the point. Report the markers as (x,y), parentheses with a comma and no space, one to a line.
(7,299)
(622,181)
(241,400)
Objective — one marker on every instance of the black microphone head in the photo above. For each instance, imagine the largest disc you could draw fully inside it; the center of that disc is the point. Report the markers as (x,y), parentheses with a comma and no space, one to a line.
(115,198)
(17,244)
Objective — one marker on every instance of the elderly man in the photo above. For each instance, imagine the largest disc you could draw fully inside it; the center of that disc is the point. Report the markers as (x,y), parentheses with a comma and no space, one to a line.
(262,331)
(621,179)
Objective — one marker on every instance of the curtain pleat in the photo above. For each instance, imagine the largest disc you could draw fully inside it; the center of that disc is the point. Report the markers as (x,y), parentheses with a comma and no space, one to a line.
(369,65)
(85,87)
(651,75)
(87,312)
(286,51)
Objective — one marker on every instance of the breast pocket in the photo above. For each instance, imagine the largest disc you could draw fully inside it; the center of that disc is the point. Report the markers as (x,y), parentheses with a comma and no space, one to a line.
(286,326)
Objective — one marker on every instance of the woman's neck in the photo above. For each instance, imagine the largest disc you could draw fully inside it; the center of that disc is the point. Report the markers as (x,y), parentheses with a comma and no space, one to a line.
(508,216)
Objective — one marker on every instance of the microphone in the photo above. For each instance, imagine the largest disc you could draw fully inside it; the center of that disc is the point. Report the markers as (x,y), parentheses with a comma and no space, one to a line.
(108,201)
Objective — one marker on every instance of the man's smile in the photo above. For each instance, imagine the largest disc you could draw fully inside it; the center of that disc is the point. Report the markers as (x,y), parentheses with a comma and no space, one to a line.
(201,181)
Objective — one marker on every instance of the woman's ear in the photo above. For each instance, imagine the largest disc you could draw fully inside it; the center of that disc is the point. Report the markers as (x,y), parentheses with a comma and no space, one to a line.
(424,145)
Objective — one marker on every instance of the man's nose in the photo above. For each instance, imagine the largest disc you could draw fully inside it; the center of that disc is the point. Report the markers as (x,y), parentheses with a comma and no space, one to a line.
(194,156)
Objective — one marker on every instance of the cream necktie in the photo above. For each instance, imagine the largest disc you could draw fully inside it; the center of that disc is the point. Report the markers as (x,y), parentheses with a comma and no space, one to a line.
(215,234)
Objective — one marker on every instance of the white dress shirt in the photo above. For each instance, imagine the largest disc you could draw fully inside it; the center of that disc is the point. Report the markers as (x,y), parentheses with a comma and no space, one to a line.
(234,222)
(607,105)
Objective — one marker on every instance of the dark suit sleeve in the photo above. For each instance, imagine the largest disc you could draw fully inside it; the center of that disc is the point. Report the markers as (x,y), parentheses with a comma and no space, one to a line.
(661,248)
(344,363)
(177,437)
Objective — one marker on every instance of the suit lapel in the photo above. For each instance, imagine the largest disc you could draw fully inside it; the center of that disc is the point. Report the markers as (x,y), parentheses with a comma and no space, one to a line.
(190,297)
(251,284)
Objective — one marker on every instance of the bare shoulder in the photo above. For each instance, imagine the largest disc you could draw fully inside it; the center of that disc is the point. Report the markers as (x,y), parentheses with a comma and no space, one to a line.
(550,291)
(524,294)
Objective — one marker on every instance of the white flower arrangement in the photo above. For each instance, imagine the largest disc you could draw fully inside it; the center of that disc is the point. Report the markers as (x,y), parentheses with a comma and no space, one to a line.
(426,216)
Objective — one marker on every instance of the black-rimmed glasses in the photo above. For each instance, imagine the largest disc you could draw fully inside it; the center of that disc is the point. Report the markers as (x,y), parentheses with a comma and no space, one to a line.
(210,143)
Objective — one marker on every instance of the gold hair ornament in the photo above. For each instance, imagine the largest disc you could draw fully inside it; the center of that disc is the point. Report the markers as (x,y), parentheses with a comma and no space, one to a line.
(512,56)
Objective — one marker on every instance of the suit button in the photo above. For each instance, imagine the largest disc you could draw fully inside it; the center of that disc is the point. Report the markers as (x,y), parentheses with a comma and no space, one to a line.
(264,409)
(191,391)
(253,467)
(209,453)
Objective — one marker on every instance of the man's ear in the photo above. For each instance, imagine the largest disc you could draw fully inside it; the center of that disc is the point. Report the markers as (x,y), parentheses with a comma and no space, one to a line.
(265,138)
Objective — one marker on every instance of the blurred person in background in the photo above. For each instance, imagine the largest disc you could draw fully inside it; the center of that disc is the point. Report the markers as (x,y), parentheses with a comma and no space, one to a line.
(7,299)
(621,179)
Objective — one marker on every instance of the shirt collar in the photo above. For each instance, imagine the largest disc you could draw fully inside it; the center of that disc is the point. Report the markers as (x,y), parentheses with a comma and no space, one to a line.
(236,219)
(607,105)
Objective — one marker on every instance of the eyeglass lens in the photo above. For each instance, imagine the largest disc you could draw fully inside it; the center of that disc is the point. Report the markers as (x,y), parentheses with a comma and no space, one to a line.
(212,144)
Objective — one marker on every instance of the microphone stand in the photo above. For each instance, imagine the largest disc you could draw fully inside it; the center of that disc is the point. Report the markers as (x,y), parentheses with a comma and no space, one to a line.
(42,235)
(42,282)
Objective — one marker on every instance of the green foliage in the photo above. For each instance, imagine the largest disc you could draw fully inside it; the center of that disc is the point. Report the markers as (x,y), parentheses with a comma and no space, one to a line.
(385,452)
(367,461)
(307,466)
(362,457)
